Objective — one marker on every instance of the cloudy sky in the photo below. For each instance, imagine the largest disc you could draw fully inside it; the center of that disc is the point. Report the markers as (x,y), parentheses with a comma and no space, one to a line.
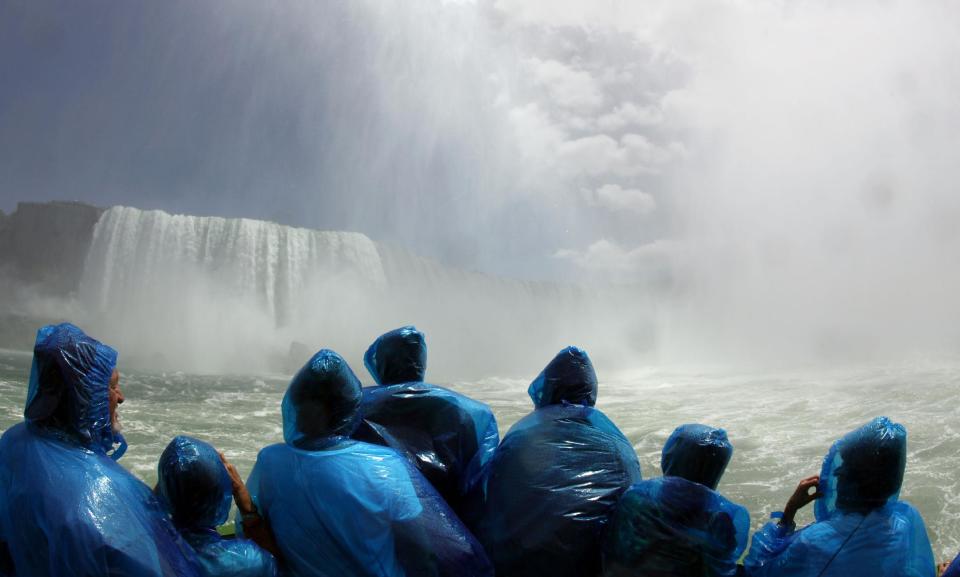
(497,136)
(802,149)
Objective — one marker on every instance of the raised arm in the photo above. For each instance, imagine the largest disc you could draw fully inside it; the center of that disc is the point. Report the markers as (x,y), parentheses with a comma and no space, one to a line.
(255,527)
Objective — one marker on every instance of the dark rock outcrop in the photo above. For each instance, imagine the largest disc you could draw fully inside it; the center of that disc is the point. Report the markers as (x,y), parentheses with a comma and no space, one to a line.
(44,245)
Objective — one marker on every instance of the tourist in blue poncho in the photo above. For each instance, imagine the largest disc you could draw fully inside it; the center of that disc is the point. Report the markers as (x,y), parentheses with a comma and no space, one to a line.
(66,507)
(449,437)
(556,477)
(678,525)
(341,507)
(196,487)
(861,527)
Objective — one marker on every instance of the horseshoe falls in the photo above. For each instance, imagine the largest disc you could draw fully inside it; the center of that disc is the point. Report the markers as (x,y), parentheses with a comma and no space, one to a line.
(238,295)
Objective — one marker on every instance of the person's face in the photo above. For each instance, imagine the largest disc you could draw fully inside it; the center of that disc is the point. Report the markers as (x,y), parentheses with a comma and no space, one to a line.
(116,398)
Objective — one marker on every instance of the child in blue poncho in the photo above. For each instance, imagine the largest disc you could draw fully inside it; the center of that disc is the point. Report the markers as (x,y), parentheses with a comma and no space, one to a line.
(195,485)
(678,525)
(861,527)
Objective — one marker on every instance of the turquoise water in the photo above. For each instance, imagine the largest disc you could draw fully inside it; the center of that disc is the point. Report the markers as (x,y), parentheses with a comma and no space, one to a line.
(781,423)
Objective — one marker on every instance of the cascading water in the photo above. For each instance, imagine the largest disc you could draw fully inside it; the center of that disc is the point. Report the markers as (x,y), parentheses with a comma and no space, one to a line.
(134,251)
(216,294)
(215,291)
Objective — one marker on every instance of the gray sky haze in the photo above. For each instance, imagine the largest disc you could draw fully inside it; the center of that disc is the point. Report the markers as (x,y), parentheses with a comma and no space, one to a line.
(792,166)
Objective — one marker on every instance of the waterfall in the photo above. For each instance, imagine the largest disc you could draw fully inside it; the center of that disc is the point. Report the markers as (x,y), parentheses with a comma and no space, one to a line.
(134,251)
(206,288)
(237,295)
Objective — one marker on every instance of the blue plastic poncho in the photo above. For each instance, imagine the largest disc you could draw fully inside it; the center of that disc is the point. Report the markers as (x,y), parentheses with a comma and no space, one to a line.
(195,487)
(861,527)
(343,507)
(678,524)
(556,477)
(66,507)
(448,436)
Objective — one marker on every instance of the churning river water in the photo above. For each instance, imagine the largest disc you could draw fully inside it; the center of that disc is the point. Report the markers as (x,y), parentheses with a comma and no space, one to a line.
(781,423)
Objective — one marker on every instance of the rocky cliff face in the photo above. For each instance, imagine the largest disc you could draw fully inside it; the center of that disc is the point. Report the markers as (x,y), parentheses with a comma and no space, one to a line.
(43,246)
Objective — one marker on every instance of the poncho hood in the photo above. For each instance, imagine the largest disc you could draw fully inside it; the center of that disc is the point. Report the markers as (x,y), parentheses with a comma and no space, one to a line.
(864,469)
(697,453)
(69,391)
(322,403)
(194,484)
(399,356)
(568,379)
